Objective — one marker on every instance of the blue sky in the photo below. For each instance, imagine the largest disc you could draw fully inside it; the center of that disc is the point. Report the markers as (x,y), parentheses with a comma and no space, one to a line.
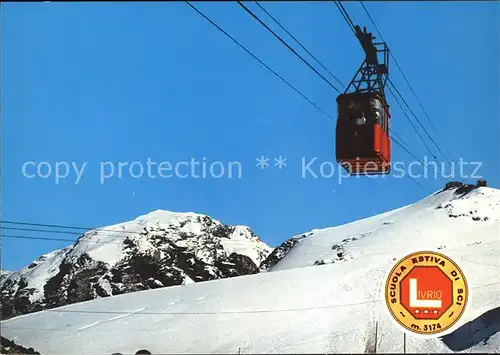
(96,82)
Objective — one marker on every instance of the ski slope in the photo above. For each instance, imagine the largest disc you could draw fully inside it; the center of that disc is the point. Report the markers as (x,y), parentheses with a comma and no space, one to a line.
(299,307)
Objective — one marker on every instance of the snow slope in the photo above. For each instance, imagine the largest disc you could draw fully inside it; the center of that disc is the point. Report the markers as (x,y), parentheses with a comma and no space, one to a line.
(297,306)
(442,221)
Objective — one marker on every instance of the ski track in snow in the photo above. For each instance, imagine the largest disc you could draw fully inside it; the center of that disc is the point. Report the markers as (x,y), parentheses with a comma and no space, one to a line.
(111,319)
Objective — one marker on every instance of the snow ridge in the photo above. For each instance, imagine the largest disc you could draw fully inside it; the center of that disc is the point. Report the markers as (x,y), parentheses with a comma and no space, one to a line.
(400,230)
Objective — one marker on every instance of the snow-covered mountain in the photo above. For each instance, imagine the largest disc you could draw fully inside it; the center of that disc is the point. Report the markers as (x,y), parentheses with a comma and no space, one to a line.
(322,293)
(156,250)
(446,219)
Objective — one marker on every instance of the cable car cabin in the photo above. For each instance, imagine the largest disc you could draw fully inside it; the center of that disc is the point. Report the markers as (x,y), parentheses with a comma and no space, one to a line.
(362,139)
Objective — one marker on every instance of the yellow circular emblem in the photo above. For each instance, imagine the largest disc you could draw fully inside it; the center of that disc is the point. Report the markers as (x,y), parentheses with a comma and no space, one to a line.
(426,292)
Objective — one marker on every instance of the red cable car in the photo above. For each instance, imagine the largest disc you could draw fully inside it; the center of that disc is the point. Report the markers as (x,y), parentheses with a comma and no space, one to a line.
(363,145)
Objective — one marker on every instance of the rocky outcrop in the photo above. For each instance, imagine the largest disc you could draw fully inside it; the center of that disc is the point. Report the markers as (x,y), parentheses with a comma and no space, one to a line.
(461,188)
(281,251)
(9,347)
(461,193)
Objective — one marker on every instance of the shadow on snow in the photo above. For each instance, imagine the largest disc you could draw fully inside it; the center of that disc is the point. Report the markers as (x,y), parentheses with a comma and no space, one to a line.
(474,332)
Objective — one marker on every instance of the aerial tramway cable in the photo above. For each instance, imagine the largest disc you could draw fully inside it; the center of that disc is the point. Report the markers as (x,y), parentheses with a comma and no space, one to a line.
(419,122)
(350,23)
(299,43)
(346,16)
(407,81)
(414,94)
(241,46)
(411,122)
(251,13)
(260,61)
(348,20)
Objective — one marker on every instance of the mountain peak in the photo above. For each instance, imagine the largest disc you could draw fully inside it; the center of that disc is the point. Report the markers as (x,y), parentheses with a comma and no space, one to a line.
(159,249)
(166,214)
